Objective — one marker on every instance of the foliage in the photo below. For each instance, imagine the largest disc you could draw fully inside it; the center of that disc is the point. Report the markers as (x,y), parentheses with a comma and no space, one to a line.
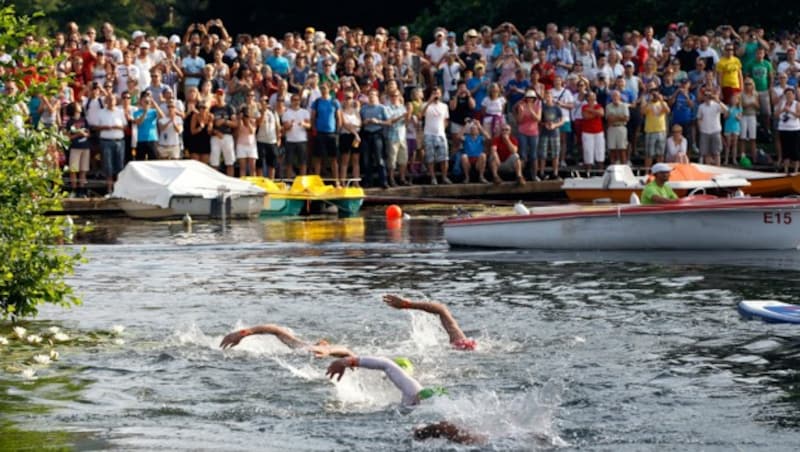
(32,269)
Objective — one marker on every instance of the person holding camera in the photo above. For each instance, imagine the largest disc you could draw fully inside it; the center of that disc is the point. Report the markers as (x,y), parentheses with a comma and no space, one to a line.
(146,121)
(729,73)
(655,112)
(710,127)
(462,105)
(788,113)
(436,116)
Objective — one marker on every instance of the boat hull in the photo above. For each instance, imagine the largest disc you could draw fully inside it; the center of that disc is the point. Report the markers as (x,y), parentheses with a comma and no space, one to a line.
(196,207)
(749,223)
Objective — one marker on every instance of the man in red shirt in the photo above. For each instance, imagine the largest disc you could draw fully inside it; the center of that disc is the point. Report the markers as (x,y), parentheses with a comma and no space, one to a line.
(503,156)
(594,143)
(547,72)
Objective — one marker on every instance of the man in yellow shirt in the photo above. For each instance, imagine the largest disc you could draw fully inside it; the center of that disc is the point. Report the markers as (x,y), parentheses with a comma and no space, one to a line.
(655,113)
(729,74)
(657,191)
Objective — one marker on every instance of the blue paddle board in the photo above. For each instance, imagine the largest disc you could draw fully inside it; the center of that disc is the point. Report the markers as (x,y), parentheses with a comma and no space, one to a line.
(771,311)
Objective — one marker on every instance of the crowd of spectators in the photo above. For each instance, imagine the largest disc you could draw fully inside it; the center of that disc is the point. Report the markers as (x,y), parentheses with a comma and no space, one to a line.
(388,109)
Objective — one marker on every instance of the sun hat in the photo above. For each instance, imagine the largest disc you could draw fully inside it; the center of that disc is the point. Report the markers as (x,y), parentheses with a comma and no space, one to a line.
(660,168)
(530,93)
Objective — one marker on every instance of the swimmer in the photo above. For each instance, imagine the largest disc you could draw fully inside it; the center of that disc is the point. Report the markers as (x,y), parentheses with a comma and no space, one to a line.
(457,337)
(412,394)
(321,349)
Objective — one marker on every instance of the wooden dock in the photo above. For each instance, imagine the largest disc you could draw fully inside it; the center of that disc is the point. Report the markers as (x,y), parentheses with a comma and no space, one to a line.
(549,190)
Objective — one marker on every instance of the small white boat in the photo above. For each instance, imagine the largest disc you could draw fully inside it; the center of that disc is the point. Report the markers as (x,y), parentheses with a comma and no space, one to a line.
(618,183)
(762,183)
(163,189)
(699,223)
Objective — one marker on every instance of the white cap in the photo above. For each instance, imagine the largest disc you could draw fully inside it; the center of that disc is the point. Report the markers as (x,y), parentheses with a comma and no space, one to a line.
(138,34)
(175,39)
(144,45)
(660,168)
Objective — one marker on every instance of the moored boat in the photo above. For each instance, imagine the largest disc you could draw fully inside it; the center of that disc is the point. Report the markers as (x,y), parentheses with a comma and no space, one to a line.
(702,222)
(618,183)
(762,183)
(163,189)
(309,194)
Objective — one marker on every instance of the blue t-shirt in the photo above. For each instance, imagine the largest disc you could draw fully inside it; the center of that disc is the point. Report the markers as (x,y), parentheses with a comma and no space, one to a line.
(33,110)
(148,129)
(279,65)
(325,109)
(373,111)
(480,93)
(515,96)
(682,113)
(194,65)
(473,146)
(731,121)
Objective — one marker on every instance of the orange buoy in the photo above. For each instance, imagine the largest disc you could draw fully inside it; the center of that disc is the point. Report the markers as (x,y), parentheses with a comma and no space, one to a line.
(394,212)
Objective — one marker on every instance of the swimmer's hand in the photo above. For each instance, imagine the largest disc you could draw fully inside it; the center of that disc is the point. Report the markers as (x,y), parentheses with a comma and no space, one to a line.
(338,367)
(233,339)
(395,301)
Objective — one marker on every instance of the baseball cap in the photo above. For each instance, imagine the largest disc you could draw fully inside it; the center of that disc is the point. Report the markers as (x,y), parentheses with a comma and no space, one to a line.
(175,39)
(629,63)
(660,168)
(310,30)
(144,45)
(438,33)
(530,93)
(451,34)
(138,34)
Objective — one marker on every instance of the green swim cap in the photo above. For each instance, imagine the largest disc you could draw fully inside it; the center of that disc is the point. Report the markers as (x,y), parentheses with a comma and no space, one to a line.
(427,393)
(404,364)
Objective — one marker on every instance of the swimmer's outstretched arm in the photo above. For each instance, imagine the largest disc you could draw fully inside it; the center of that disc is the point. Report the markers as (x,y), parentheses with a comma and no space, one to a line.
(337,351)
(448,321)
(284,335)
(404,382)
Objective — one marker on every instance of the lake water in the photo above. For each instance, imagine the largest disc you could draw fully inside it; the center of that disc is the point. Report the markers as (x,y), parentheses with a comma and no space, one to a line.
(612,351)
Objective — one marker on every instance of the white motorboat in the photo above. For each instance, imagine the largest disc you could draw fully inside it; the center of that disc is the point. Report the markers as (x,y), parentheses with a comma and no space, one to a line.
(699,223)
(162,189)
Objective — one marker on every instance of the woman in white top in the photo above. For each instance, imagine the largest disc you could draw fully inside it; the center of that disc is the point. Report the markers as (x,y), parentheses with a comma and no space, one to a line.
(788,114)
(268,139)
(493,107)
(676,146)
(246,149)
(349,139)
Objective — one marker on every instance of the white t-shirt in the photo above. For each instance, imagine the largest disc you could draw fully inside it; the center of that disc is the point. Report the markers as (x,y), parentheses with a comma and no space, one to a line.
(673,149)
(785,65)
(266,127)
(298,133)
(709,53)
(787,121)
(168,135)
(435,52)
(144,66)
(708,117)
(435,119)
(115,117)
(494,106)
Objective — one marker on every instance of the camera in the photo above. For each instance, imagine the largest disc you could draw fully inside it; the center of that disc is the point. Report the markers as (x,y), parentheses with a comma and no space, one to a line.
(785,117)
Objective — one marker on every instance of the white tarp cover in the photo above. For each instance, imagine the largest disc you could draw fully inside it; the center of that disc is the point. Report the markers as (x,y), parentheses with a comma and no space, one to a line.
(157,181)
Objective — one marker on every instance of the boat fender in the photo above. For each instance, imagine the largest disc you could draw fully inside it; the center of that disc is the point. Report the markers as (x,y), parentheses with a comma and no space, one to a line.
(739,193)
(520,209)
(634,201)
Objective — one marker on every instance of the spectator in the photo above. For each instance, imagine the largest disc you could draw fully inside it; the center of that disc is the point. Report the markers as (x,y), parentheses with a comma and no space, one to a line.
(732,128)
(146,119)
(749,121)
(617,115)
(565,100)
(593,139)
(222,142)
(528,113)
(296,121)
(436,116)
(111,122)
(478,85)
(710,127)
(777,96)
(374,117)
(762,74)
(549,140)
(201,125)
(326,119)
(349,138)
(192,68)
(462,106)
(171,126)
(504,156)
(729,72)
(474,156)
(246,149)
(655,112)
(268,140)
(788,113)
(677,146)
(78,133)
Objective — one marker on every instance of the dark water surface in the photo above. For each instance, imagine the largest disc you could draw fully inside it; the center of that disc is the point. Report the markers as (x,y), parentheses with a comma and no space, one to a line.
(590,351)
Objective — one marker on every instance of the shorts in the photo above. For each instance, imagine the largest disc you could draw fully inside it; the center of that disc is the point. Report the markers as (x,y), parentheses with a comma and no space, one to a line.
(325,145)
(472,160)
(246,152)
(222,145)
(435,149)
(748,131)
(710,143)
(113,156)
(79,160)
(594,148)
(296,153)
(455,128)
(528,146)
(465,344)
(267,154)
(398,154)
(727,92)
(654,144)
(507,165)
(617,138)
(790,144)
(346,144)
(549,147)
(566,127)
(169,152)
